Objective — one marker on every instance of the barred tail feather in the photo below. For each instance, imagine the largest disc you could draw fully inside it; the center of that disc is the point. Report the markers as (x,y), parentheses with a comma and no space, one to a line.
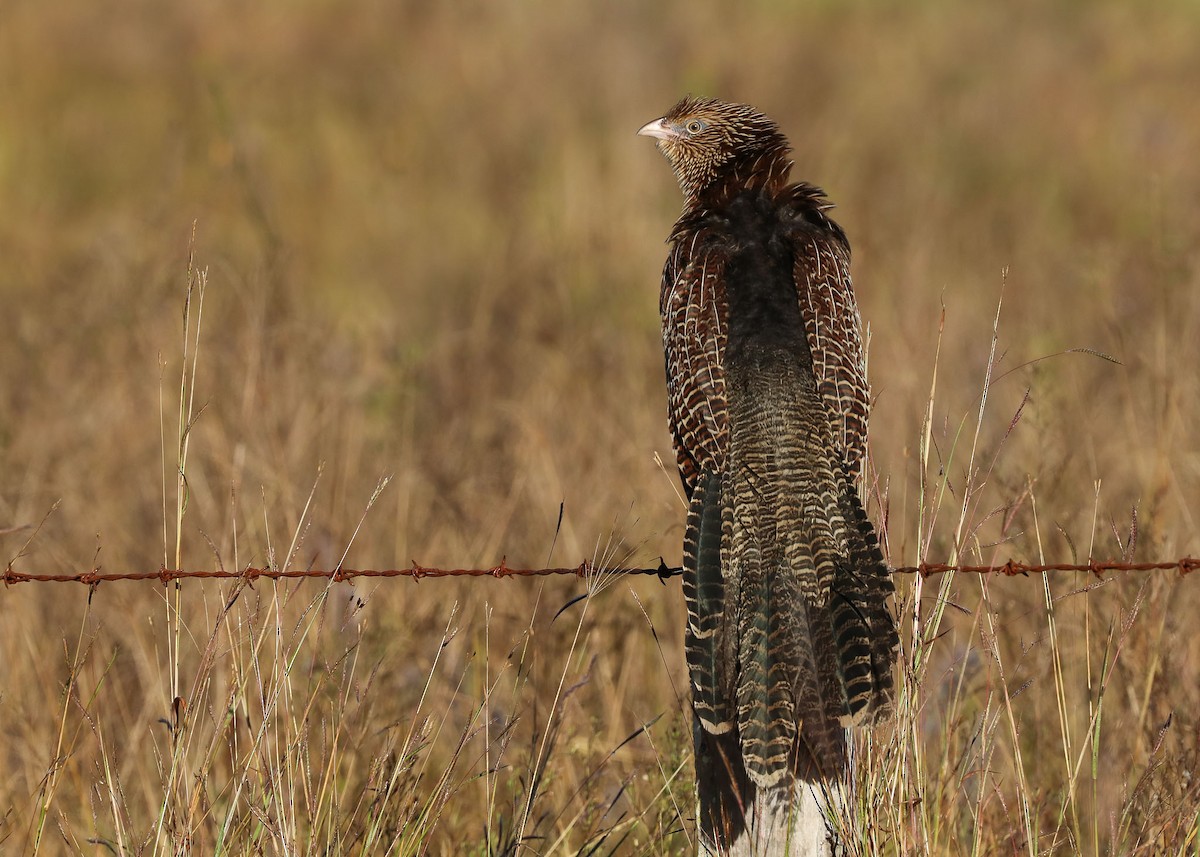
(704,592)
(767,642)
(868,588)
(822,701)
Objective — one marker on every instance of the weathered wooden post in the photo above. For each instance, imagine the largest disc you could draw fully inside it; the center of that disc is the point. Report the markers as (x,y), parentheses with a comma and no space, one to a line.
(739,820)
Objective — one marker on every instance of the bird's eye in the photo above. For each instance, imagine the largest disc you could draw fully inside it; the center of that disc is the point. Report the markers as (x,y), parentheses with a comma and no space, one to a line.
(695,126)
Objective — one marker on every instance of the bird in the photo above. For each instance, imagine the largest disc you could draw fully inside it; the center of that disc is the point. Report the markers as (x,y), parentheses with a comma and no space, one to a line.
(789,638)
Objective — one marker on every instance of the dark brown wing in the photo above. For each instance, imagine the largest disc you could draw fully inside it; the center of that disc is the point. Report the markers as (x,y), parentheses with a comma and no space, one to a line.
(693,308)
(833,328)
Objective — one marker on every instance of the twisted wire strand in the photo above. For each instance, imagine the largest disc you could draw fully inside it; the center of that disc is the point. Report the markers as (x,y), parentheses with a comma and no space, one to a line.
(93,577)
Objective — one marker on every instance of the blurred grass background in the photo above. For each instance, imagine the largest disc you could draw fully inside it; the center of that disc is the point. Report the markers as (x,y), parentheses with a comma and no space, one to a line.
(433,245)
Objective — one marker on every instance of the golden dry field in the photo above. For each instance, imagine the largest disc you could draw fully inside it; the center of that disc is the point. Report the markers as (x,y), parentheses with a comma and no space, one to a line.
(429,244)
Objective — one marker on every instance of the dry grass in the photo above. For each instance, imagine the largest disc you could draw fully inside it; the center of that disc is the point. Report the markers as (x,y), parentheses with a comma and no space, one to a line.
(432,245)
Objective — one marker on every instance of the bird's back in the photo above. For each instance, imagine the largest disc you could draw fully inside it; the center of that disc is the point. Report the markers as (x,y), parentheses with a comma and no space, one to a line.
(785,584)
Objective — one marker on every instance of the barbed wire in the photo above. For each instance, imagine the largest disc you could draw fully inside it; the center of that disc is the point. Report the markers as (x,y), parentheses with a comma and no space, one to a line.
(94,577)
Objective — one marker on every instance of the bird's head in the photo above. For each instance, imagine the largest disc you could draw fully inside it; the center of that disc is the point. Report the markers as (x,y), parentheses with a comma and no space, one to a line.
(701,136)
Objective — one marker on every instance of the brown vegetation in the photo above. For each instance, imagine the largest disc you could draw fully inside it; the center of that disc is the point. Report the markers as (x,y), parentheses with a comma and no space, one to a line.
(432,245)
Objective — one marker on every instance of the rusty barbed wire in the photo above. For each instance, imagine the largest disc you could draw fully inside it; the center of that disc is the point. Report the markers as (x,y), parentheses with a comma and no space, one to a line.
(1184,566)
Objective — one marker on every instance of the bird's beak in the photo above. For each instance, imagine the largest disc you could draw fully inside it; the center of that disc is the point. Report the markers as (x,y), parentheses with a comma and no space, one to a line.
(658,128)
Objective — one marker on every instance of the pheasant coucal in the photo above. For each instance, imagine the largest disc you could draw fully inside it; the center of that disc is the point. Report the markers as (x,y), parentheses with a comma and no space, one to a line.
(789,637)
